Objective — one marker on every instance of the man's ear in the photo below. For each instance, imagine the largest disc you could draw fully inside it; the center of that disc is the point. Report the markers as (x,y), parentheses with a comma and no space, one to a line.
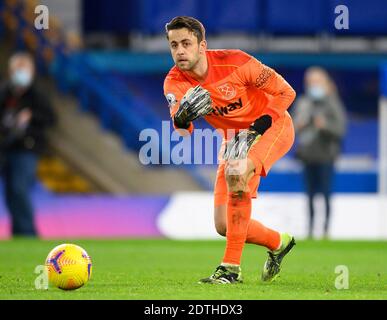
(203,46)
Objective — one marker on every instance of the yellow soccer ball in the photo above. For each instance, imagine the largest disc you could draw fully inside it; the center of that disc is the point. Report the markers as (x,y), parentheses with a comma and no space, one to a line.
(68,267)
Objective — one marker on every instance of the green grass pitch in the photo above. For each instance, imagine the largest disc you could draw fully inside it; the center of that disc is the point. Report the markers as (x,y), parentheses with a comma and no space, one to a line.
(167,269)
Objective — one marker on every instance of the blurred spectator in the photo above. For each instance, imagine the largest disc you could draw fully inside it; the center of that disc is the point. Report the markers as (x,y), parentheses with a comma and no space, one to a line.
(25,114)
(320,125)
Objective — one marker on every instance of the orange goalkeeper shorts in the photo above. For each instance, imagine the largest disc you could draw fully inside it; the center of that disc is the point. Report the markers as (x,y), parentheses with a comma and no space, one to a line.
(272,146)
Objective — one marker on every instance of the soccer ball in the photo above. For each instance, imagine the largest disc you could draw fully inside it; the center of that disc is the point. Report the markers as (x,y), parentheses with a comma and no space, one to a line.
(68,267)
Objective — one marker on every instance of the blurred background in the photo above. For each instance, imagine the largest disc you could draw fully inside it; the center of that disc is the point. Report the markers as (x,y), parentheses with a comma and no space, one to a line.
(102,64)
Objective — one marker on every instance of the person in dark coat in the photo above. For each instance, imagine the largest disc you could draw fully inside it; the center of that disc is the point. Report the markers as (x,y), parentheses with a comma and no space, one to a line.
(25,116)
(320,124)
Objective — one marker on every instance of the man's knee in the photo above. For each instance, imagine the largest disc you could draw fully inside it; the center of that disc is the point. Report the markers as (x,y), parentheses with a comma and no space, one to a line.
(238,174)
(236,183)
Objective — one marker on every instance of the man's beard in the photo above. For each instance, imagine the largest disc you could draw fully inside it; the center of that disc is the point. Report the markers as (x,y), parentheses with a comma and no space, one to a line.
(190,66)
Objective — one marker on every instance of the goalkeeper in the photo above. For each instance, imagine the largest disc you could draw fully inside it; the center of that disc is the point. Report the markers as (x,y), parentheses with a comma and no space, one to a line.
(232,90)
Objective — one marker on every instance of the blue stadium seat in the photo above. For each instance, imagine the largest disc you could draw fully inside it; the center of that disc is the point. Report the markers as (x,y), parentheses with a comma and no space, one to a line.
(154,14)
(296,17)
(116,16)
(232,16)
(279,17)
(365,17)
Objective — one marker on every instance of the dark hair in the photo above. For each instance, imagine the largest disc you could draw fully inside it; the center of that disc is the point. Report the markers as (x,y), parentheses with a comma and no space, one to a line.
(192,24)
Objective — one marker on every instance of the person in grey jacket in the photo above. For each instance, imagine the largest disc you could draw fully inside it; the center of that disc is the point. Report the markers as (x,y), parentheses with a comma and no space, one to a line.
(320,124)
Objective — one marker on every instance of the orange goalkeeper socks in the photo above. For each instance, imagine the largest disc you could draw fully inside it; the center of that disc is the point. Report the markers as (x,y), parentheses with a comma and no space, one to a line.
(238,219)
(258,234)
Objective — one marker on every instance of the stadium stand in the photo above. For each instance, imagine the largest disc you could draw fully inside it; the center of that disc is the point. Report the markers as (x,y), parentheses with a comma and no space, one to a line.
(78,135)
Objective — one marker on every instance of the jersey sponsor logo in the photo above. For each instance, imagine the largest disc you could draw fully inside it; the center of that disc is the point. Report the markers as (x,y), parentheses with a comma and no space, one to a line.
(171,99)
(263,76)
(222,111)
(227,90)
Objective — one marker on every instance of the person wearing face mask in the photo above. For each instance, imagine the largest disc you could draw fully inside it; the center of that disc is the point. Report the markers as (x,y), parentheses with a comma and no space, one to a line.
(25,115)
(320,122)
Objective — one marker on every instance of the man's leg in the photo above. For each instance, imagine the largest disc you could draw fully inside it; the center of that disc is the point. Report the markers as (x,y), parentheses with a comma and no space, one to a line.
(19,177)
(238,209)
(273,145)
(238,222)
(237,219)
(279,244)
(257,233)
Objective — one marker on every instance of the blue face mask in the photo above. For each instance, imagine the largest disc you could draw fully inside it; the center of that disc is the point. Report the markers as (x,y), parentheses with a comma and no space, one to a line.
(316,92)
(21,78)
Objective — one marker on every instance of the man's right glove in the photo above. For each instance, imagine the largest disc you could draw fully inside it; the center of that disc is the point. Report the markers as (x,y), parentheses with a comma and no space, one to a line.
(239,146)
(196,103)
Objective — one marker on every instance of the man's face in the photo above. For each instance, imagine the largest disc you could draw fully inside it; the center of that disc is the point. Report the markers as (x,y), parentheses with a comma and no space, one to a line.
(185,48)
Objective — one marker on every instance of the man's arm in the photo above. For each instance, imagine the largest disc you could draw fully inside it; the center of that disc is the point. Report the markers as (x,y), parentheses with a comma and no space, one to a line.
(255,73)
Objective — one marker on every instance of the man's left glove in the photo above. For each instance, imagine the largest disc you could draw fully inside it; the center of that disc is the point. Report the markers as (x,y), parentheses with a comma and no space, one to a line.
(196,103)
(240,145)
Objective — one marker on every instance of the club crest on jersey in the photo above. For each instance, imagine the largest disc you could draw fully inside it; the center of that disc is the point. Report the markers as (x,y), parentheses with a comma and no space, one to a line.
(227,90)
(171,99)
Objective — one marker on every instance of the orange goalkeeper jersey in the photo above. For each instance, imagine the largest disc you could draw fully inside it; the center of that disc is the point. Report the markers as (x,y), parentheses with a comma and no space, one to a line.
(241,88)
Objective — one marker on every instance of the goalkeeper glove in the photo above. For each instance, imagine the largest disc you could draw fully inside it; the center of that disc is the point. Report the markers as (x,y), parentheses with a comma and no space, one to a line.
(195,103)
(240,145)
